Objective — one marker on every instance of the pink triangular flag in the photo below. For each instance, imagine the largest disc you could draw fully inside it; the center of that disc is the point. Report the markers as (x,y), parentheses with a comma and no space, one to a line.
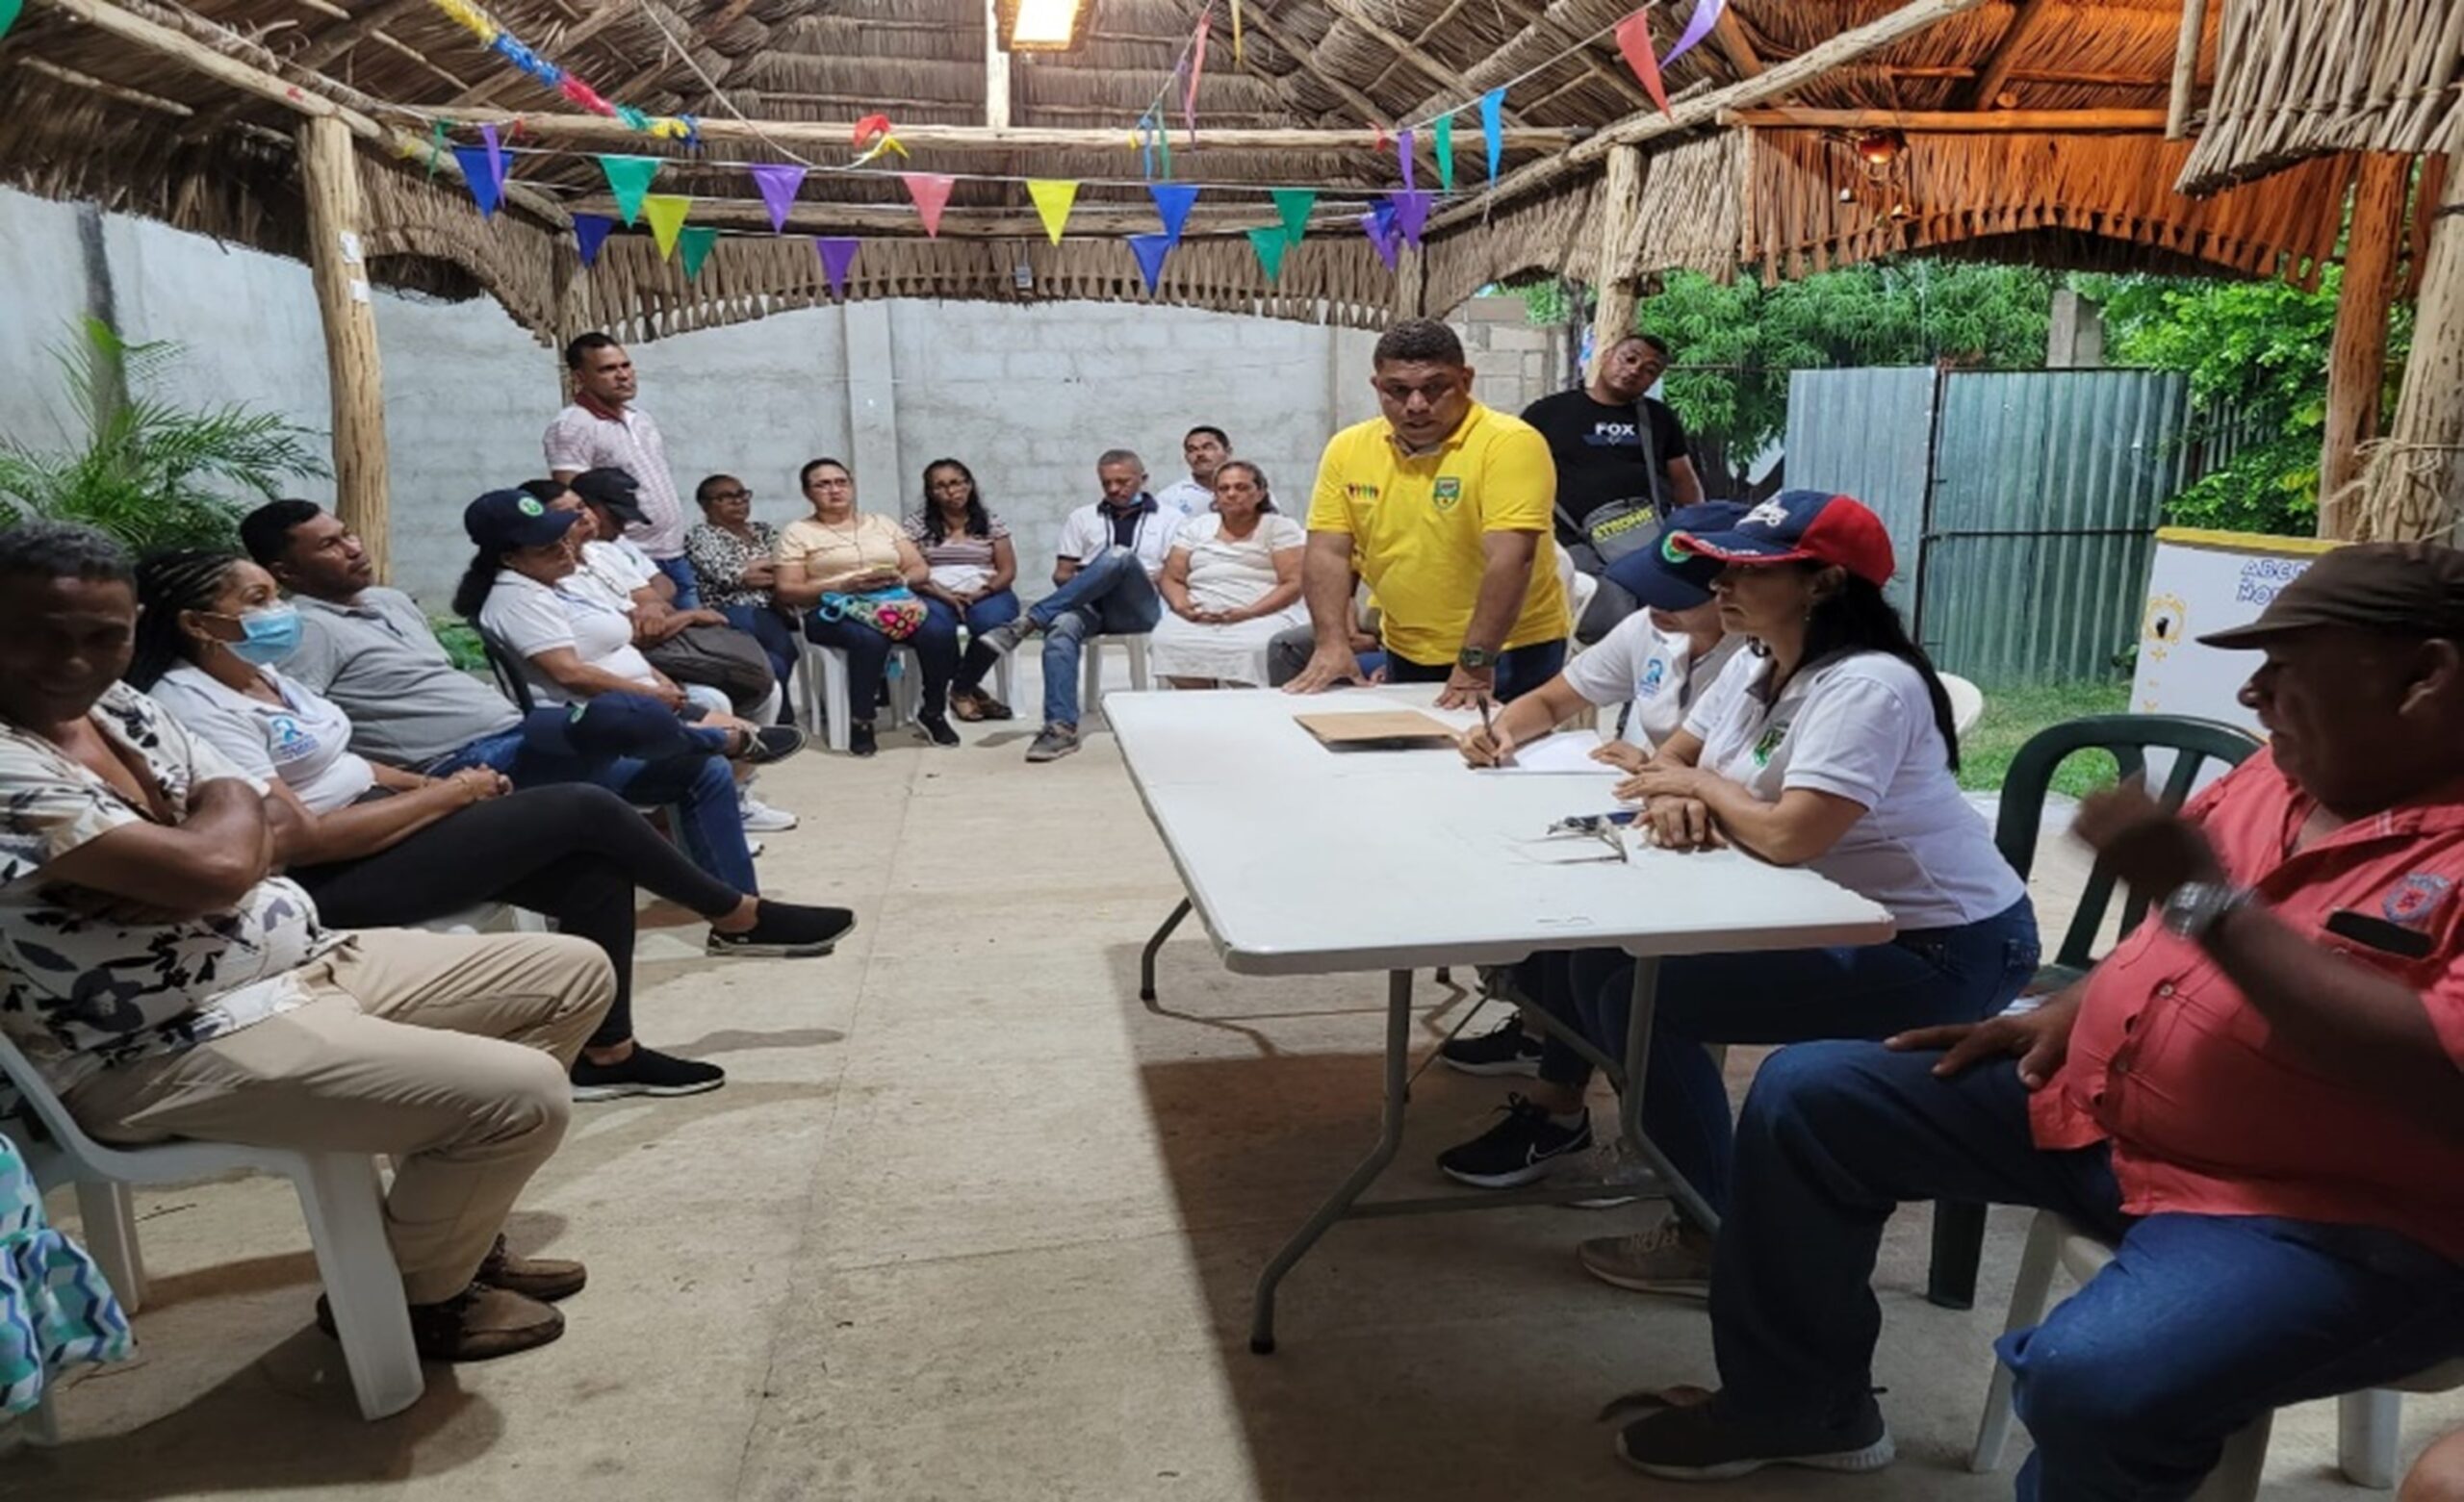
(1635,40)
(930,192)
(1197,69)
(837,253)
(779,183)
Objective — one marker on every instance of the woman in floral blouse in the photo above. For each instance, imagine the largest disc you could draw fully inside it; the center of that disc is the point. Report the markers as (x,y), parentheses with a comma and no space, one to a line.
(731,556)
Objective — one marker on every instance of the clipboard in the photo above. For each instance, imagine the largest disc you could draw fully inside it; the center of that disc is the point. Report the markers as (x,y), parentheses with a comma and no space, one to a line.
(1378,729)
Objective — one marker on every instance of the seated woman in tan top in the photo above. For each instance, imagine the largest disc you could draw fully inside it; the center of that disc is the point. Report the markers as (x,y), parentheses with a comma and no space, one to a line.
(839,565)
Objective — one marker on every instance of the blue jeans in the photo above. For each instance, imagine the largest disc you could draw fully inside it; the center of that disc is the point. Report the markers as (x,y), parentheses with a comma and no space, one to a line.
(1108,595)
(773,630)
(1519,672)
(2131,1386)
(1787,996)
(999,608)
(937,654)
(679,572)
(700,787)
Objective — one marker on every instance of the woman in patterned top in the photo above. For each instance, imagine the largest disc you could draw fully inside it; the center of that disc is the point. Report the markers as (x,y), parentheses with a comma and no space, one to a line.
(967,549)
(734,561)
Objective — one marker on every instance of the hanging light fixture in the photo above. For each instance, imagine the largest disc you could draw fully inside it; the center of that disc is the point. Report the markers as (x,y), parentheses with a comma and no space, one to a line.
(1879,149)
(1043,25)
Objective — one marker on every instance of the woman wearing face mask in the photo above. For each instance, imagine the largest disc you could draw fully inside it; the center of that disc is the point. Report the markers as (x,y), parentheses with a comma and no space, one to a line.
(381,847)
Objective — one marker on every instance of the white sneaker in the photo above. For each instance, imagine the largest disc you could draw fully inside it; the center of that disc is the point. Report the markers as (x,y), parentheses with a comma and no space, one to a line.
(760,818)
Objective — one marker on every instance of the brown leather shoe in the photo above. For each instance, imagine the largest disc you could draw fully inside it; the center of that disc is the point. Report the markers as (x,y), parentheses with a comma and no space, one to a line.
(478,1324)
(547,1278)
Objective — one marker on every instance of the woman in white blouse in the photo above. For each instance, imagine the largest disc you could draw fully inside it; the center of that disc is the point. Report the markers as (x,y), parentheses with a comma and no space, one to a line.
(1231,581)
(839,565)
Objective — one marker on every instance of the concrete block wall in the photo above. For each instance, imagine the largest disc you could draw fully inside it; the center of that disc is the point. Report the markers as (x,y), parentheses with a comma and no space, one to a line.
(1026,395)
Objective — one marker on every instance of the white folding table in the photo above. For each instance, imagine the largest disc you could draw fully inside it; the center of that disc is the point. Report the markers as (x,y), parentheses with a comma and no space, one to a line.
(1302,860)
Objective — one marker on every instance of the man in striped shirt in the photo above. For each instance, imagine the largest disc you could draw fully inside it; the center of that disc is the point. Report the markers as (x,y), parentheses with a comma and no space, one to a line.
(604,430)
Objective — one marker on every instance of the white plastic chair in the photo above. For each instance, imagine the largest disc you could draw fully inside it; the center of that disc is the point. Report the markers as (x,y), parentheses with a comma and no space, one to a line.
(1091,687)
(829,710)
(1968,704)
(2366,1423)
(340,1194)
(491,918)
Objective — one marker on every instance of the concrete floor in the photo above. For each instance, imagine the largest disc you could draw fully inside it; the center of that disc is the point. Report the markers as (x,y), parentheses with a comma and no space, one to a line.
(969,1221)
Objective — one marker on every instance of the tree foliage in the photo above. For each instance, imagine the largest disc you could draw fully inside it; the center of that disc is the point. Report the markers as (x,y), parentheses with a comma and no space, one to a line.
(148,471)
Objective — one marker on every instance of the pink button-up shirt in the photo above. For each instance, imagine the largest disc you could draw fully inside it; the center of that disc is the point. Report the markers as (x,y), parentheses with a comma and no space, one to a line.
(590,435)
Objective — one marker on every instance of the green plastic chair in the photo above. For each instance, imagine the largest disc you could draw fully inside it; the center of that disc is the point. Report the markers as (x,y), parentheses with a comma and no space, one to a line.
(1959,1226)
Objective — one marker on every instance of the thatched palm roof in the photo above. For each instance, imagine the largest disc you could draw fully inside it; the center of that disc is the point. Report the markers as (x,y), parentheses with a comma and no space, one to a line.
(137,132)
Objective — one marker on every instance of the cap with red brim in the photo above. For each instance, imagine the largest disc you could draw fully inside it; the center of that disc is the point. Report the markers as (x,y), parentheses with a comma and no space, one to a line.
(1803,524)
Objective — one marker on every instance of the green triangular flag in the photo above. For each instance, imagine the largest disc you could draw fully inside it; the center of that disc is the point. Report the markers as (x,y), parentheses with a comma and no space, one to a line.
(1295,204)
(1443,133)
(693,247)
(628,178)
(666,212)
(1271,243)
(8,9)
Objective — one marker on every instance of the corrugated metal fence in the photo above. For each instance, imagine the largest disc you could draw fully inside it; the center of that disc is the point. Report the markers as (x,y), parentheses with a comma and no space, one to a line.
(2023,504)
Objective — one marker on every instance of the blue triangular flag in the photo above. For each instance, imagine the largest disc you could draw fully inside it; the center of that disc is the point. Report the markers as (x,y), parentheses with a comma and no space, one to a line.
(480,172)
(1150,250)
(590,232)
(1172,202)
(1493,127)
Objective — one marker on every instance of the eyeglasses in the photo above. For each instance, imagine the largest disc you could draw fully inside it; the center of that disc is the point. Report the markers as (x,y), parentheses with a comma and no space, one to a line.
(730,494)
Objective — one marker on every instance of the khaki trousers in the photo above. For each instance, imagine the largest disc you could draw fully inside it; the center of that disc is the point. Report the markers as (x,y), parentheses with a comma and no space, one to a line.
(446,1051)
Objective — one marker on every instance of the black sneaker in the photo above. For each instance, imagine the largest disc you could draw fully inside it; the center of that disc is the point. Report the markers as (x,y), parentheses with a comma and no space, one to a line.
(645,1071)
(859,739)
(785,930)
(1504,1050)
(1517,1151)
(773,743)
(1704,1443)
(936,729)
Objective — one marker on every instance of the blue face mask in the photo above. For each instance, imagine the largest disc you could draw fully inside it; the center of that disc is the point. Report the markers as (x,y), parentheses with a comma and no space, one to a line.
(272,633)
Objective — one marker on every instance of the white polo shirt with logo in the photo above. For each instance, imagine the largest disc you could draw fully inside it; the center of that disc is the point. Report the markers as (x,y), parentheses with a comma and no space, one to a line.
(1655,671)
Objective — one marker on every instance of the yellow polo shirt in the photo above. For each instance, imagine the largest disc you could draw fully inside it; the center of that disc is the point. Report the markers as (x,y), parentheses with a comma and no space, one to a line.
(1417,525)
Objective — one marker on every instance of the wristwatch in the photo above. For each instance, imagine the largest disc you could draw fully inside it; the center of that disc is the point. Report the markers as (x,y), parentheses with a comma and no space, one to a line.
(1475,658)
(2198,906)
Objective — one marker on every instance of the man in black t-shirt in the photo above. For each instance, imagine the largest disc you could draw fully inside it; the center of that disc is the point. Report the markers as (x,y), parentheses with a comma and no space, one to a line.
(1593,435)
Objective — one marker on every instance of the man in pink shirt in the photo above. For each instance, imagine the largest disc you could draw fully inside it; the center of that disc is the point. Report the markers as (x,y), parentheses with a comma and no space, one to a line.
(2259,1096)
(604,430)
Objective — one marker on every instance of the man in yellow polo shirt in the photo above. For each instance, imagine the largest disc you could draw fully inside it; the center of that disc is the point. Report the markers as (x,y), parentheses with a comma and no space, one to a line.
(1447,506)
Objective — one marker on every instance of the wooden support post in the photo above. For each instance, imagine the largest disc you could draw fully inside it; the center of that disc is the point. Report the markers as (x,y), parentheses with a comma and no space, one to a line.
(1621,197)
(337,265)
(2358,359)
(997,70)
(2414,482)
(2186,50)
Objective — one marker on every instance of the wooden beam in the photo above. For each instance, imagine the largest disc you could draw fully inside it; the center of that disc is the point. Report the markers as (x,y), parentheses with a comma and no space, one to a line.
(487,90)
(120,91)
(1995,75)
(1705,109)
(899,219)
(1620,207)
(588,129)
(1730,38)
(337,266)
(1370,112)
(1418,60)
(2414,480)
(2075,122)
(2186,50)
(2358,355)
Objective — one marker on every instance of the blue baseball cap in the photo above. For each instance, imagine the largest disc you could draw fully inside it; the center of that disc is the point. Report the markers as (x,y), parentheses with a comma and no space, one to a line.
(1665,577)
(1800,525)
(505,519)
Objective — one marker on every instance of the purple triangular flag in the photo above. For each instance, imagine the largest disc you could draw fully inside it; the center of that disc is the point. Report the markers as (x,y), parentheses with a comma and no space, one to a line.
(1172,201)
(590,232)
(1411,213)
(1150,250)
(1378,225)
(779,183)
(1403,155)
(837,253)
(480,172)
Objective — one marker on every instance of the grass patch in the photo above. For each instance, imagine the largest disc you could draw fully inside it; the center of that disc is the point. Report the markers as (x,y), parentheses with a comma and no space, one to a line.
(2013,715)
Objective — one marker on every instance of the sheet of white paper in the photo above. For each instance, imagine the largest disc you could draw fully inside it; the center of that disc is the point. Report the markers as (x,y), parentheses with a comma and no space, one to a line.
(1567,750)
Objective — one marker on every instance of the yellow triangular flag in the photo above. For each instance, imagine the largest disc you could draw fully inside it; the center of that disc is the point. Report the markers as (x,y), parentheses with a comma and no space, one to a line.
(666,214)
(1053,197)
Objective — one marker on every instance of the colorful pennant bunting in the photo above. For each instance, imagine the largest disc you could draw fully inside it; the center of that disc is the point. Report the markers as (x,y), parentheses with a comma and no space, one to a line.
(1411,214)
(590,232)
(693,246)
(1150,250)
(1172,202)
(1493,127)
(1707,14)
(1293,205)
(1197,68)
(628,178)
(779,183)
(666,212)
(1442,137)
(930,192)
(484,178)
(873,136)
(1403,156)
(1378,225)
(1635,40)
(1053,196)
(547,75)
(837,253)
(8,9)
(1271,243)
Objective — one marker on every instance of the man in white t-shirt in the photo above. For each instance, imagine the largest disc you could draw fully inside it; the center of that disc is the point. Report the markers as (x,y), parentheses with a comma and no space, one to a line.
(1205,448)
(1110,553)
(604,430)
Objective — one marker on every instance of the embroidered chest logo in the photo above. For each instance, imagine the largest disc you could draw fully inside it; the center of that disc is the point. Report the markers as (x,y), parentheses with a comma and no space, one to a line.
(1654,674)
(1448,491)
(1360,492)
(1769,745)
(2413,901)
